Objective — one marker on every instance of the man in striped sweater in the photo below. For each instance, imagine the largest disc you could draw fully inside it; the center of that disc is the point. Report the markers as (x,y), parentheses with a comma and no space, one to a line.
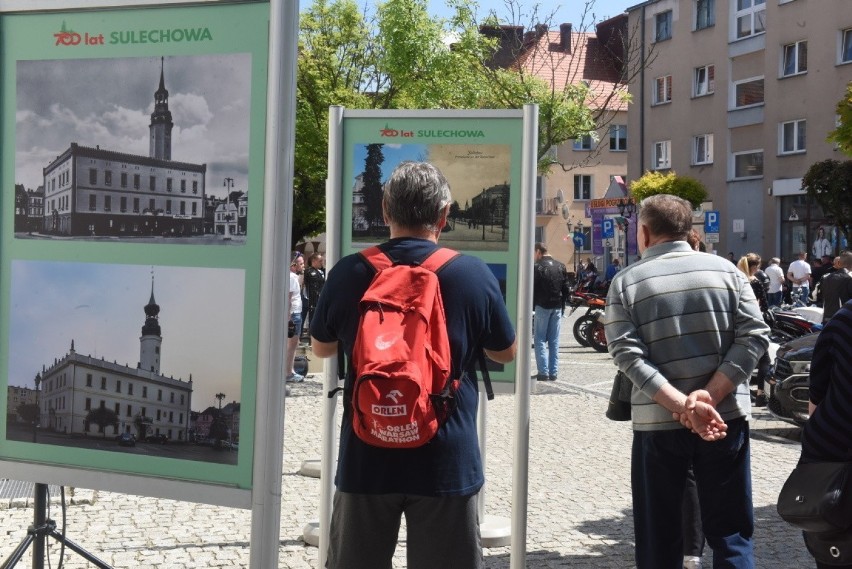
(686,329)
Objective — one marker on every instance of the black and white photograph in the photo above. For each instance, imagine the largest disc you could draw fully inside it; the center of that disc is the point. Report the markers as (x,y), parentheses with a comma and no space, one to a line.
(479,178)
(143,149)
(126,358)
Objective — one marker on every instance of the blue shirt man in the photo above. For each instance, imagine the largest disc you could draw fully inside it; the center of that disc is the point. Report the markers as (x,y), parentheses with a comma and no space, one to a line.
(435,485)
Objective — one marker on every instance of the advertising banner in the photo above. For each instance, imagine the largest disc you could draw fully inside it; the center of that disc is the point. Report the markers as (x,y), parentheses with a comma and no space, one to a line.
(131,233)
(479,152)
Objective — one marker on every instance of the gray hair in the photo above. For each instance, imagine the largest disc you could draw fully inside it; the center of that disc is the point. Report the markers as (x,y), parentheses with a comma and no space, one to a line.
(415,195)
(846,260)
(666,215)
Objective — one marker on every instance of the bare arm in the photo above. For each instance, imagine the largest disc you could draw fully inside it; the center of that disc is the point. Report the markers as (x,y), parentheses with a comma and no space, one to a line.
(503,356)
(323,349)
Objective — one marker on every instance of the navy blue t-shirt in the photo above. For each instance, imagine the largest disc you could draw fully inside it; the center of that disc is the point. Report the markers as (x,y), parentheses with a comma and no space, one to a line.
(450,464)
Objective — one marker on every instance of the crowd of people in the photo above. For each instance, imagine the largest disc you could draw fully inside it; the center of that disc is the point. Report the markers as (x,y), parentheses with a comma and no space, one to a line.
(686,328)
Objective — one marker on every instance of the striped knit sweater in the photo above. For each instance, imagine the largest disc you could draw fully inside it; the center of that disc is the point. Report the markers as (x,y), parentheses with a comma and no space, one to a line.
(828,433)
(677,316)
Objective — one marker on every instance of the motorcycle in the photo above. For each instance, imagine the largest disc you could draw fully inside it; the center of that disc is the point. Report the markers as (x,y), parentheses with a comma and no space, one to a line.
(595,305)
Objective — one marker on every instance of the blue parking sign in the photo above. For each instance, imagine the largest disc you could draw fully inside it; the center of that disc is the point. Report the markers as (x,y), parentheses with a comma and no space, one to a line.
(711,222)
(608,229)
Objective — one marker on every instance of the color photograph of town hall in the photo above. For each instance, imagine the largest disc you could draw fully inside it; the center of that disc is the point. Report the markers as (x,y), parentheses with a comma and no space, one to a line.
(137,148)
(127,358)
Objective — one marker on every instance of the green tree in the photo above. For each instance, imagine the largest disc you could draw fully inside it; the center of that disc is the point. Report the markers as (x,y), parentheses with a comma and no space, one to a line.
(842,135)
(103,418)
(372,181)
(398,59)
(828,183)
(29,412)
(652,183)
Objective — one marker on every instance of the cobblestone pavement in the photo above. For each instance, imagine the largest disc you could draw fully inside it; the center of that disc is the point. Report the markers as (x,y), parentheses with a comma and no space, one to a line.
(579,507)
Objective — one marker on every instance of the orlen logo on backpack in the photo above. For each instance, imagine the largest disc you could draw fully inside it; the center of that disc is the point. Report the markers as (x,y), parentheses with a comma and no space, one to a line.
(394,410)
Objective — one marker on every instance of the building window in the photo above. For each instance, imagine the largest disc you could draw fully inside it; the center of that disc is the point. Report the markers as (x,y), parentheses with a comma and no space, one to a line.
(168,184)
(108,177)
(748,92)
(107,203)
(618,137)
(194,208)
(136,181)
(171,416)
(144,393)
(662,155)
(103,383)
(159,395)
(846,46)
(183,208)
(124,179)
(183,186)
(88,403)
(171,397)
(705,15)
(792,137)
(583,142)
(123,204)
(130,389)
(704,80)
(88,380)
(582,187)
(180,420)
(748,164)
(152,183)
(152,205)
(194,186)
(662,89)
(118,408)
(118,386)
(751,17)
(159,414)
(169,206)
(795,58)
(129,411)
(181,398)
(664,26)
(135,205)
(702,149)
(93,176)
(93,202)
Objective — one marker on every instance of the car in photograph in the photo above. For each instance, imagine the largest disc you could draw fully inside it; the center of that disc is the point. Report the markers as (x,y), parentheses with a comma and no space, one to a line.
(160,439)
(126,440)
(790,383)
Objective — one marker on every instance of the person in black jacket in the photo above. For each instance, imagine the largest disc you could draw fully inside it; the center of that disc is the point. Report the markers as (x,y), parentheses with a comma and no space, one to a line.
(550,282)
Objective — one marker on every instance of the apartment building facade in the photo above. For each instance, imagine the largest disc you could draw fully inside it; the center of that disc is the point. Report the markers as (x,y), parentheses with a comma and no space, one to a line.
(741,95)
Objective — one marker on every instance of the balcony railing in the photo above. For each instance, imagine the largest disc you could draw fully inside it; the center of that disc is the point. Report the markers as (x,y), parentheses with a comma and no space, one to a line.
(546,206)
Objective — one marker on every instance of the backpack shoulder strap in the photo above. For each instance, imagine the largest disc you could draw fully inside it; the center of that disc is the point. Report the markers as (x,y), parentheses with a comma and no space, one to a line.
(376,258)
(438,259)
(486,377)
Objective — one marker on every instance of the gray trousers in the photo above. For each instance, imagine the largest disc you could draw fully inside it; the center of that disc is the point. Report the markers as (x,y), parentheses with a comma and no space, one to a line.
(442,531)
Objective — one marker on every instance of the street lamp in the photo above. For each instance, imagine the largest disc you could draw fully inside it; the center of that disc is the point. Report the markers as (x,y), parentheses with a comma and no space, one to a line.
(37,418)
(626,209)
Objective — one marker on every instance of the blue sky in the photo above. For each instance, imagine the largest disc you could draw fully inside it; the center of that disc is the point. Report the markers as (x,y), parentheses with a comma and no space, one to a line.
(570,11)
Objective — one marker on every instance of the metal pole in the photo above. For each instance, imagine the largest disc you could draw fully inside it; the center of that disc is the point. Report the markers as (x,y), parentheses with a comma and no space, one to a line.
(277,224)
(333,222)
(39,519)
(520,468)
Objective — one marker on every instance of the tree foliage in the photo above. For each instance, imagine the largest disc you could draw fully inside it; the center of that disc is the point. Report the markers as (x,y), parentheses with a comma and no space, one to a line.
(842,135)
(29,412)
(828,183)
(401,58)
(103,418)
(653,183)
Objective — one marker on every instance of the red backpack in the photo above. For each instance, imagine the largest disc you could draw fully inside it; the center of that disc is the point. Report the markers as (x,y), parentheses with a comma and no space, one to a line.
(401,360)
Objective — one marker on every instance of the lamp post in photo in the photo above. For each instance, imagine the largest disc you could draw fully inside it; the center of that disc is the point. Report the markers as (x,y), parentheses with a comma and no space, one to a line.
(627,209)
(37,418)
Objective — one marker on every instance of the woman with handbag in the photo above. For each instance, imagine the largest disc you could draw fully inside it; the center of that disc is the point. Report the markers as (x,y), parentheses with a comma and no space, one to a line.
(827,436)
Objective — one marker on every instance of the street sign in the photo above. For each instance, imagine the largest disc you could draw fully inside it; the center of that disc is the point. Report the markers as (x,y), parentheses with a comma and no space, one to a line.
(711,238)
(608,226)
(579,239)
(711,223)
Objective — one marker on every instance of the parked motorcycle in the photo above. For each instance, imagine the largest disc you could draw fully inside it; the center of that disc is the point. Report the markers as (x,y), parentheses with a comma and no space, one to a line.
(594,305)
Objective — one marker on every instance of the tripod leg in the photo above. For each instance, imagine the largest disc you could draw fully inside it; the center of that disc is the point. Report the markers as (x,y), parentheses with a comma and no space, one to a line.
(76,548)
(16,555)
(39,519)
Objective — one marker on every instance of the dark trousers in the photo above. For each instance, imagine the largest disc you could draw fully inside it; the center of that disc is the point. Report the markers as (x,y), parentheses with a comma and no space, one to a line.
(660,461)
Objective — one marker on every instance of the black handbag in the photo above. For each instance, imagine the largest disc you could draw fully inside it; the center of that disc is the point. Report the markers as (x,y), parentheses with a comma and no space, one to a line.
(619,400)
(830,548)
(817,497)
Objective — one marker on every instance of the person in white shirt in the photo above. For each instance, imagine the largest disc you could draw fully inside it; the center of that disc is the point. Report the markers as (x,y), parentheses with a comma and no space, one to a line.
(821,246)
(776,282)
(297,267)
(799,272)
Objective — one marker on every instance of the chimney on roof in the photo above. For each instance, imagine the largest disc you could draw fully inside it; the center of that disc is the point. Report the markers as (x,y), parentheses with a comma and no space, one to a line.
(565,37)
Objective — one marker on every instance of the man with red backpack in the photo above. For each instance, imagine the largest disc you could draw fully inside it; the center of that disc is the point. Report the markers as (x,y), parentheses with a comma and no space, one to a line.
(386,470)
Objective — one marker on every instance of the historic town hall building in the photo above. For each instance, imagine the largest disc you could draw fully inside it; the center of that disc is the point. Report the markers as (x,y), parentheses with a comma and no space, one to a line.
(95,191)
